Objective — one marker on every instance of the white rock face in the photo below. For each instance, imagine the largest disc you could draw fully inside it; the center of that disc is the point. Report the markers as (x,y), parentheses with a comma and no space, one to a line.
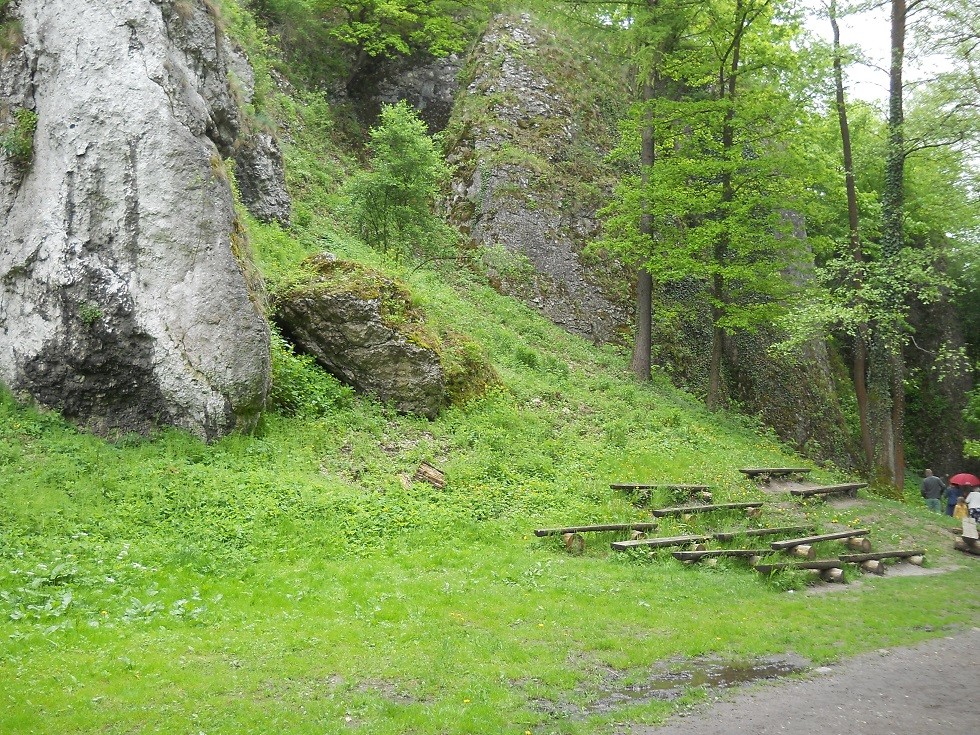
(122,301)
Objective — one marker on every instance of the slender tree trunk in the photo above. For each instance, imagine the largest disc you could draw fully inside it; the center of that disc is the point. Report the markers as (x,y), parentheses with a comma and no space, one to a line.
(860,364)
(644,281)
(892,235)
(727,82)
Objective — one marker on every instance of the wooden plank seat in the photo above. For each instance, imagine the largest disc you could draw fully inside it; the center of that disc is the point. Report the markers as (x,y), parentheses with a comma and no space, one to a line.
(812,564)
(658,543)
(645,526)
(661,512)
(879,555)
(641,492)
(715,553)
(848,489)
(662,486)
(770,472)
(730,535)
(790,543)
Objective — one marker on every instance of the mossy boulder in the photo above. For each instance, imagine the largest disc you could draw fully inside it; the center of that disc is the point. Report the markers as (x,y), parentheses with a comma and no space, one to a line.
(367,331)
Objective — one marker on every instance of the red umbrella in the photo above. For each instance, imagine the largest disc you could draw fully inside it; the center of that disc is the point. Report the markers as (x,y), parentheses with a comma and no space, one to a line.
(965,478)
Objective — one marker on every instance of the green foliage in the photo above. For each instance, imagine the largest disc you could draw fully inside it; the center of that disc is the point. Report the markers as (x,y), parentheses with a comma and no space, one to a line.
(391,204)
(17,137)
(300,387)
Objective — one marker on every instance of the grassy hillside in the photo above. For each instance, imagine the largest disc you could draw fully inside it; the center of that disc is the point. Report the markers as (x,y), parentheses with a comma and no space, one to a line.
(299,581)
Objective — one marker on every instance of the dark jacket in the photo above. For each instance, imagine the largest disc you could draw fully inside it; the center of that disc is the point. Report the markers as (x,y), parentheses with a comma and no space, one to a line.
(932,488)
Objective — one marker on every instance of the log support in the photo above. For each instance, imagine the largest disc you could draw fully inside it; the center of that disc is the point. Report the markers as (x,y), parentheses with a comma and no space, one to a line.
(832,575)
(804,551)
(574,543)
(873,566)
(860,543)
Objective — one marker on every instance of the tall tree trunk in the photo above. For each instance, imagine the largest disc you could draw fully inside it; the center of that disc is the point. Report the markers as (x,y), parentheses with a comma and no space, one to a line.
(892,235)
(727,83)
(644,281)
(860,364)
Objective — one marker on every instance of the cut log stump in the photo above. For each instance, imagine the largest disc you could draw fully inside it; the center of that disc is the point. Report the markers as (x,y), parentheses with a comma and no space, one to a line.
(804,551)
(873,566)
(858,543)
(970,546)
(574,543)
(835,574)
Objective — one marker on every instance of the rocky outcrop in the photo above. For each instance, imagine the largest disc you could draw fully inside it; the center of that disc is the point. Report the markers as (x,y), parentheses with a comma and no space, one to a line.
(530,174)
(362,328)
(124,283)
(261,178)
(428,85)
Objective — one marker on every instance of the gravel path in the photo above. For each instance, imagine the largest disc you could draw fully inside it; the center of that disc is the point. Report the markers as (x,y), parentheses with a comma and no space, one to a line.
(929,689)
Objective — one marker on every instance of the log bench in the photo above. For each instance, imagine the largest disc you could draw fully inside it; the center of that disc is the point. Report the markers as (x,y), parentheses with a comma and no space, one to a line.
(767,473)
(830,569)
(730,535)
(715,553)
(645,526)
(658,543)
(687,509)
(872,561)
(790,543)
(846,489)
(572,535)
(641,491)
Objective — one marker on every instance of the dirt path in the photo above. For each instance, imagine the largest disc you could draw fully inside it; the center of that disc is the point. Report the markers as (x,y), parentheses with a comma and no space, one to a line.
(930,688)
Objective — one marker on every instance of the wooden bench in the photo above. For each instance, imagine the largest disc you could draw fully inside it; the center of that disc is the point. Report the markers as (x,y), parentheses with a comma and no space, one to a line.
(848,489)
(686,509)
(715,553)
(811,564)
(641,491)
(805,540)
(658,543)
(871,562)
(645,526)
(730,535)
(767,473)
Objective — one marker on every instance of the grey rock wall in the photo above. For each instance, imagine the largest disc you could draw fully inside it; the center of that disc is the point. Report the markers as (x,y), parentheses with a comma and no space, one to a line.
(523,155)
(123,294)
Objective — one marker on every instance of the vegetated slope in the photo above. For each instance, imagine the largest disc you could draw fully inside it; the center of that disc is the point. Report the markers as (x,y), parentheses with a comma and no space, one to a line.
(298,580)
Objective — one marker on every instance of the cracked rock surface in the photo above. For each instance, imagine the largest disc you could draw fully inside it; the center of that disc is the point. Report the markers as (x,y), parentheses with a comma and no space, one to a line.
(123,300)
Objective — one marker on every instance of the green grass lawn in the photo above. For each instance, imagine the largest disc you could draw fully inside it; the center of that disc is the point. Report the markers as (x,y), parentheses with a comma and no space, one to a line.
(298,580)
(295,581)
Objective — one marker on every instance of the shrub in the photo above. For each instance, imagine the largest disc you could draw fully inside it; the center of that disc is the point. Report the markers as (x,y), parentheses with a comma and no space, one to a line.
(391,205)
(300,387)
(17,140)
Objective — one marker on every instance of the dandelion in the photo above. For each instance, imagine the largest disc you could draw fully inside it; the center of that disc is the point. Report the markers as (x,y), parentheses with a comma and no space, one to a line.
(466,701)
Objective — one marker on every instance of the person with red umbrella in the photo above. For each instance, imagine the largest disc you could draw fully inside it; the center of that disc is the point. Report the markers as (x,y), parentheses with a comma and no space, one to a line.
(960,481)
(973,504)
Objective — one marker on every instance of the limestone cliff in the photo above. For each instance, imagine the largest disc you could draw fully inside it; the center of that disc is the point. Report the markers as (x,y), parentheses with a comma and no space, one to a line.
(533,124)
(124,284)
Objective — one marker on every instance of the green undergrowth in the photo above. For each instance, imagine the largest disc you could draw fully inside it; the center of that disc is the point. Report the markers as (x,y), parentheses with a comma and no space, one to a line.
(299,580)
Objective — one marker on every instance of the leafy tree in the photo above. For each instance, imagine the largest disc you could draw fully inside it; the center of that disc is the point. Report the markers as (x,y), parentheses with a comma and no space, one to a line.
(392,202)
(721,180)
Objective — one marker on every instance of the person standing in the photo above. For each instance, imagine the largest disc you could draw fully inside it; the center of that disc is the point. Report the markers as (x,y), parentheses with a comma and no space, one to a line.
(952,498)
(932,491)
(973,504)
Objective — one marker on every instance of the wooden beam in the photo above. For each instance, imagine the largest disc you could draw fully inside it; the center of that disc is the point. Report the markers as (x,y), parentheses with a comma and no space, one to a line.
(774,471)
(877,555)
(715,553)
(661,512)
(788,543)
(814,564)
(645,526)
(970,546)
(643,486)
(729,535)
(850,488)
(657,543)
